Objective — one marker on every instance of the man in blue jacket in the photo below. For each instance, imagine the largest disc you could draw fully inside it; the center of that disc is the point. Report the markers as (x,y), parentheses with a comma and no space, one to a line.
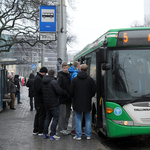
(74,69)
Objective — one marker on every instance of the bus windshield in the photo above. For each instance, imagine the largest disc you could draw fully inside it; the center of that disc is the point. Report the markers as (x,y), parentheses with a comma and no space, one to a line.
(129,76)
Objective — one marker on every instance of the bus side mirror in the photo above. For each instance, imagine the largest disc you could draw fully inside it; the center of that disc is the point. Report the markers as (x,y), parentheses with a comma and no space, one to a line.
(106,66)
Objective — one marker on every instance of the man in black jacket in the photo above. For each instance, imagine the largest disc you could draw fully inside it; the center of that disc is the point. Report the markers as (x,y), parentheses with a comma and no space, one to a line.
(39,104)
(65,101)
(16,82)
(51,92)
(82,90)
(30,84)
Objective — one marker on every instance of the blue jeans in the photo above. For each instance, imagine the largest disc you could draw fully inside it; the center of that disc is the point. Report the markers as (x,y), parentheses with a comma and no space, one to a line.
(18,96)
(78,118)
(51,113)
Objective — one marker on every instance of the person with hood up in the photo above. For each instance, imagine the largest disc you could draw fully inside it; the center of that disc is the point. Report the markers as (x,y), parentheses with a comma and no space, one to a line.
(16,81)
(39,104)
(82,89)
(30,84)
(51,92)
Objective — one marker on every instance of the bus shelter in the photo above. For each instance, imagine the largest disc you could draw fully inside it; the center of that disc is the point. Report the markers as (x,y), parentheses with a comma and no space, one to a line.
(3,77)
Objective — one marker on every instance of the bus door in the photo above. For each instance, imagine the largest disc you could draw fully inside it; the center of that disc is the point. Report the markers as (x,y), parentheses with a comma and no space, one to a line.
(101,78)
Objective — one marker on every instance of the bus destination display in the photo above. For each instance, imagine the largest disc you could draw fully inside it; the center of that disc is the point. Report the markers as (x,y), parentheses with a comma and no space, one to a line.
(134,38)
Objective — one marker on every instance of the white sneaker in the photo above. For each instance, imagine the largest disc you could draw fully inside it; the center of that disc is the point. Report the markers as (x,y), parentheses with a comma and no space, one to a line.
(76,138)
(35,133)
(88,138)
(40,134)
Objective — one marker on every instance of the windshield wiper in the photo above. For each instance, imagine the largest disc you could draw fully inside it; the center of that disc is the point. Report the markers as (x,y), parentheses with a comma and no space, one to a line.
(145,95)
(142,98)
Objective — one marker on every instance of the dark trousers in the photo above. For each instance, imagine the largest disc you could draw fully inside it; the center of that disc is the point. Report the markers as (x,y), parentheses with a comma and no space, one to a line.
(39,119)
(17,94)
(51,113)
(31,103)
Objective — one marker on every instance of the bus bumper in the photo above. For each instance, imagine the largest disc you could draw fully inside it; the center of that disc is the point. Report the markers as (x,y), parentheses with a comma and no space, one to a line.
(115,130)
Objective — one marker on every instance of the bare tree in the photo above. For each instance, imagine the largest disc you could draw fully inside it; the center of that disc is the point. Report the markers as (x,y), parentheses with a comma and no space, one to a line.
(19,22)
(136,24)
(147,21)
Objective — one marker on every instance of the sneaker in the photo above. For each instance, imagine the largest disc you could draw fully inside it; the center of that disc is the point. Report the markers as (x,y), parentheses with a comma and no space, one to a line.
(76,138)
(45,136)
(73,132)
(65,132)
(88,138)
(40,134)
(35,133)
(54,137)
(20,103)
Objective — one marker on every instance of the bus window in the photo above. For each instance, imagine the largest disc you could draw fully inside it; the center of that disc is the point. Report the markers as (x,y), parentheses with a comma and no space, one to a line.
(88,62)
(93,66)
(129,76)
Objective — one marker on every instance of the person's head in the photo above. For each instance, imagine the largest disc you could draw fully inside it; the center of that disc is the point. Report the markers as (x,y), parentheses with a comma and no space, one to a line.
(76,64)
(51,72)
(65,67)
(11,78)
(84,67)
(43,71)
(31,76)
(16,76)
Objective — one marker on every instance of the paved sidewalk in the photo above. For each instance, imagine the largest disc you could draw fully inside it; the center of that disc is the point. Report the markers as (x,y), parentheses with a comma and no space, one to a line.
(16,132)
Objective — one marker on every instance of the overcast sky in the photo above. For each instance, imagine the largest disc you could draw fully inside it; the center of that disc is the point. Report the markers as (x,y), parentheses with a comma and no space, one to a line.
(95,17)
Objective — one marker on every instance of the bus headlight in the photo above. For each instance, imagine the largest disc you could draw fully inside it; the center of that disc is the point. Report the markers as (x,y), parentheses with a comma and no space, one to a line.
(125,123)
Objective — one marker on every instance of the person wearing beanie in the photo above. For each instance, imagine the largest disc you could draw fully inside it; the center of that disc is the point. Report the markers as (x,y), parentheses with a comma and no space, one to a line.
(43,70)
(39,104)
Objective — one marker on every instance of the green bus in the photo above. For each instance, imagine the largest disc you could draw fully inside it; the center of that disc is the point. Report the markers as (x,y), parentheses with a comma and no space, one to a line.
(119,62)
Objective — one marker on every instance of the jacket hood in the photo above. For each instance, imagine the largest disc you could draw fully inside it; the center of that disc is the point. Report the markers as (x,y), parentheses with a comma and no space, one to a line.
(63,73)
(82,75)
(73,69)
(47,78)
(31,76)
(16,76)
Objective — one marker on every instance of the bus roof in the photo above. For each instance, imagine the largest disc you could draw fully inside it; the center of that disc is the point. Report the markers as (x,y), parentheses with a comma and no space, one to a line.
(110,35)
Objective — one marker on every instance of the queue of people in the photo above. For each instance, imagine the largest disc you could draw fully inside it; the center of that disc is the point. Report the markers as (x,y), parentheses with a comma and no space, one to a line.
(53,99)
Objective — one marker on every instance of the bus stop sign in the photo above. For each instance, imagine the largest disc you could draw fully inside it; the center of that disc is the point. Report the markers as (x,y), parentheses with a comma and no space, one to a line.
(47,18)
